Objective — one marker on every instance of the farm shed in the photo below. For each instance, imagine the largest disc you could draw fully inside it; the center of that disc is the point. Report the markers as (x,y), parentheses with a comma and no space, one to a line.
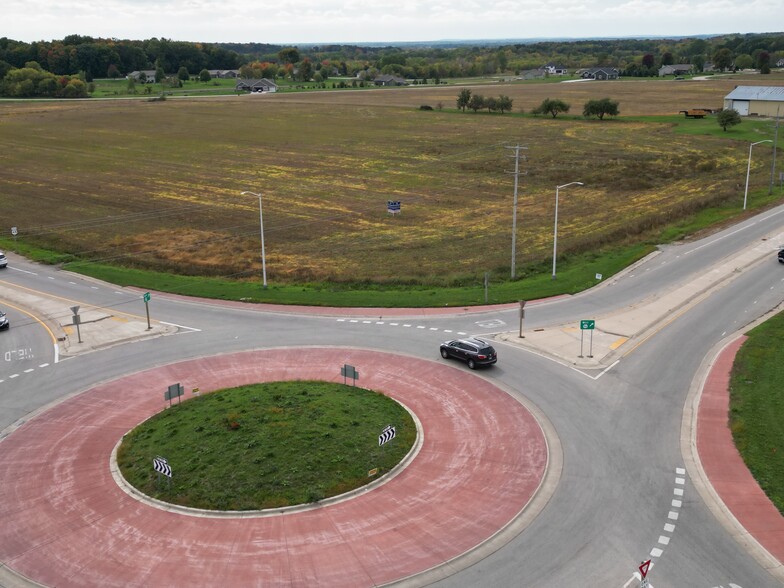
(756,100)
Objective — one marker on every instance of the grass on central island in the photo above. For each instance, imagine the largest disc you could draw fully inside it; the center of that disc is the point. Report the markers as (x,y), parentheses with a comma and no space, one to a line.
(267,445)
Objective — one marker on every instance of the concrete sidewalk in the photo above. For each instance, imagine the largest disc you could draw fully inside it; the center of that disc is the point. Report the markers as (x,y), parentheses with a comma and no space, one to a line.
(619,332)
(99,328)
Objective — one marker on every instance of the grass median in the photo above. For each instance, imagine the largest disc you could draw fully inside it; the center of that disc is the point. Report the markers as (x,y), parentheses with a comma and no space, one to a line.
(757,406)
(267,445)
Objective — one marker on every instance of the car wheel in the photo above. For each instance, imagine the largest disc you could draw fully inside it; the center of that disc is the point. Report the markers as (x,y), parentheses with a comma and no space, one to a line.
(472,364)
(444,354)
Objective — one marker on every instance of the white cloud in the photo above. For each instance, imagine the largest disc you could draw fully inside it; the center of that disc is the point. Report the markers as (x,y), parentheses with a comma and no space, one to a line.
(355,21)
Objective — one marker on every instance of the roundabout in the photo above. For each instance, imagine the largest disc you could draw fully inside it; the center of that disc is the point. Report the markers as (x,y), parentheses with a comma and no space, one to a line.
(482,460)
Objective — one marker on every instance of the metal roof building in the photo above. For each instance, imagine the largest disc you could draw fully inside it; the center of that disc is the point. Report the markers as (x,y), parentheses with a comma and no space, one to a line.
(756,100)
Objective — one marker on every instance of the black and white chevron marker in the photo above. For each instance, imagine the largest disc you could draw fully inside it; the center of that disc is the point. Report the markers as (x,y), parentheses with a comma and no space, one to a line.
(160,465)
(386,435)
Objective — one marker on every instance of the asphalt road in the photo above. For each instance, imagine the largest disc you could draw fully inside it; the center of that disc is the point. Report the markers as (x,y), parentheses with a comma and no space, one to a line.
(619,434)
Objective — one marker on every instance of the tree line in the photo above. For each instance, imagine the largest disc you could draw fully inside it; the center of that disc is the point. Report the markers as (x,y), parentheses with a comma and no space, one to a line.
(468,100)
(90,57)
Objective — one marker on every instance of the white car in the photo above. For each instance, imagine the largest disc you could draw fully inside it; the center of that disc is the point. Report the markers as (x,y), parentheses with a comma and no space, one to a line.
(3,260)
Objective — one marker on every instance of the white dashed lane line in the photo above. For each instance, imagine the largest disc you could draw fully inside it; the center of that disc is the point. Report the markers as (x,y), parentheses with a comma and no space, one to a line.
(404,325)
(669,527)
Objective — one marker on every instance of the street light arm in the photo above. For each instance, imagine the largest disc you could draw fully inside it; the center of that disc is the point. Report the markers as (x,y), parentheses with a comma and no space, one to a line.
(555,224)
(261,231)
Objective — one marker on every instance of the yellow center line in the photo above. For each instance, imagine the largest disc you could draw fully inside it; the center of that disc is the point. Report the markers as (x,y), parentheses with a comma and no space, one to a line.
(36,319)
(70,301)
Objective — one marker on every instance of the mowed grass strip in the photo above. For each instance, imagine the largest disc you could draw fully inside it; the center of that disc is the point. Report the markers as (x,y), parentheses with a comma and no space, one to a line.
(757,406)
(267,445)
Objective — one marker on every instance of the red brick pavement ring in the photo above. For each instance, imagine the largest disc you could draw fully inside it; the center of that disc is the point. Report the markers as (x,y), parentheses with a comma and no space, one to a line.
(65,522)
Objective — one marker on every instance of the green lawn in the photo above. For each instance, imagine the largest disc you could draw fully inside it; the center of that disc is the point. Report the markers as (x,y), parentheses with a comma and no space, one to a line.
(267,445)
(757,406)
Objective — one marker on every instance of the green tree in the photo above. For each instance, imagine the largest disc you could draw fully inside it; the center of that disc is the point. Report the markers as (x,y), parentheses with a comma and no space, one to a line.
(476,103)
(182,74)
(552,107)
(667,58)
(763,62)
(204,76)
(504,103)
(305,71)
(491,103)
(131,85)
(463,99)
(159,75)
(600,108)
(722,59)
(728,118)
(289,55)
(744,61)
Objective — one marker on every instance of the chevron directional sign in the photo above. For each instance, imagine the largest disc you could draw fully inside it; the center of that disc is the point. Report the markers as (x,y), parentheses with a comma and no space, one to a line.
(160,465)
(386,435)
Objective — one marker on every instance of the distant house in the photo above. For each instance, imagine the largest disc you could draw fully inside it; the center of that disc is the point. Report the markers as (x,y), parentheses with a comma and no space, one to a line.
(389,80)
(756,100)
(708,66)
(256,86)
(224,73)
(780,63)
(149,75)
(554,70)
(531,74)
(675,70)
(600,73)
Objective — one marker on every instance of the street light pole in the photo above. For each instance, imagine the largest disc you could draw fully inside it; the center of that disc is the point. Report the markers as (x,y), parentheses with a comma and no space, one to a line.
(261,230)
(748,170)
(555,225)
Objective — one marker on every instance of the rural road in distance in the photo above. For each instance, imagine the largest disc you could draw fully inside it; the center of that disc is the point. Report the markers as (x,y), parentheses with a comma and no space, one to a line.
(620,434)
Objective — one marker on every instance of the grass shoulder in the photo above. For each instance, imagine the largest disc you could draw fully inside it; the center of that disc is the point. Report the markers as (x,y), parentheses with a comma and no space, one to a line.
(267,445)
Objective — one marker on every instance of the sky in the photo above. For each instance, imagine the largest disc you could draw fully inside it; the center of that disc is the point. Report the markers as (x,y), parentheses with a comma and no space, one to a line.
(380,21)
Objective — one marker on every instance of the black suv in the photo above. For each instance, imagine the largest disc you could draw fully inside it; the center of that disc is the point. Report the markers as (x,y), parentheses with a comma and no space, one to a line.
(473,351)
(781,255)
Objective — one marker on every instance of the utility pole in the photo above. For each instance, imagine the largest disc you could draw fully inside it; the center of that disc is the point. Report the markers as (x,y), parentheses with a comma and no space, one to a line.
(775,143)
(516,173)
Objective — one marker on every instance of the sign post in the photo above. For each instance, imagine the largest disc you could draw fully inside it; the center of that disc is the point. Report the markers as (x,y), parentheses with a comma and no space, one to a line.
(522,316)
(14,232)
(77,320)
(160,465)
(174,391)
(349,371)
(587,325)
(386,435)
(146,299)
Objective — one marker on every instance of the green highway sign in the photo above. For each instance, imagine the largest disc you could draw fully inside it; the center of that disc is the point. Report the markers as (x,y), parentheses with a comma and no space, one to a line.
(146,297)
(587,325)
